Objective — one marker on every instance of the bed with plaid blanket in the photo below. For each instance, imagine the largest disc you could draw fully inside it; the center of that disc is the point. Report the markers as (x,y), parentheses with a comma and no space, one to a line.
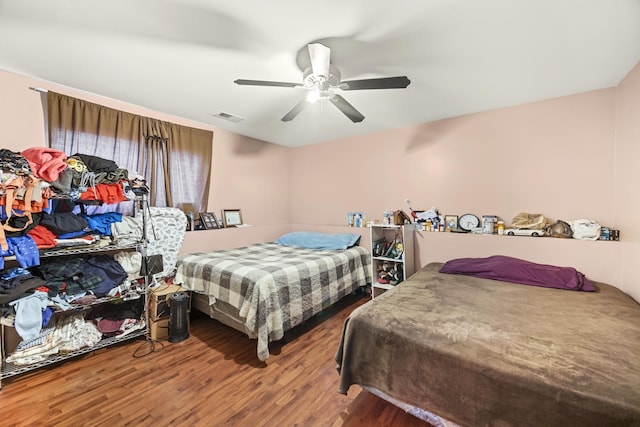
(275,287)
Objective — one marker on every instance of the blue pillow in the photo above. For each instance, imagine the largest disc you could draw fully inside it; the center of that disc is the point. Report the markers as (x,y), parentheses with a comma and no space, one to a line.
(314,240)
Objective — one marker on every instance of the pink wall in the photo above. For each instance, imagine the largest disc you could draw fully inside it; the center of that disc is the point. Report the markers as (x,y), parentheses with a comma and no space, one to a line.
(251,175)
(626,191)
(21,113)
(554,157)
(626,194)
(548,157)
(247,174)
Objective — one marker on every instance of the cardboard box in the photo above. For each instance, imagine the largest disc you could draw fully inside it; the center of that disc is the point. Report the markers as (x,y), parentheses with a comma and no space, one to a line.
(159,329)
(158,301)
(10,340)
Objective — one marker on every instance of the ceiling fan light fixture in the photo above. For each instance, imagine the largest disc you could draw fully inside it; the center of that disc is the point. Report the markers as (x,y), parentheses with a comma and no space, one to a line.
(313,96)
(320,92)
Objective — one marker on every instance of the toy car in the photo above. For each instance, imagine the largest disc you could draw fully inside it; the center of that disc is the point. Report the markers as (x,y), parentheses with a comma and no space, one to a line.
(523,232)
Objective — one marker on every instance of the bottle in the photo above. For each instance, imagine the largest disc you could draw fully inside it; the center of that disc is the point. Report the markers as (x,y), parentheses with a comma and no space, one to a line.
(357,221)
(192,226)
(501,227)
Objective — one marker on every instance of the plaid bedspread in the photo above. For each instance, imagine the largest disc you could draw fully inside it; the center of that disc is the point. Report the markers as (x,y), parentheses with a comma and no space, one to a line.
(275,287)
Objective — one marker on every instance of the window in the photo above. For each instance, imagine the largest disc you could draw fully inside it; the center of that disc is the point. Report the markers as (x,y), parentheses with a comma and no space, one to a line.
(175,160)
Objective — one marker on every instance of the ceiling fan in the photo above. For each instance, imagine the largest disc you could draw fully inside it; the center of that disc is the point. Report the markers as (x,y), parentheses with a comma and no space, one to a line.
(321,78)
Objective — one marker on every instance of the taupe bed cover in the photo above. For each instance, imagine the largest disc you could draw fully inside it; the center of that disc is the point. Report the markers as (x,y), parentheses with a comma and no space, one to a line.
(484,352)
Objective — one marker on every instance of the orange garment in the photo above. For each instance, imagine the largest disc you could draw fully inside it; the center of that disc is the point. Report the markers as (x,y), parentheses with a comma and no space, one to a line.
(43,237)
(11,184)
(106,193)
(19,204)
(29,187)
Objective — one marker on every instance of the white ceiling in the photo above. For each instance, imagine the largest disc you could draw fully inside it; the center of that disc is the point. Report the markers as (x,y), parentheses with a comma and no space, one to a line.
(182,56)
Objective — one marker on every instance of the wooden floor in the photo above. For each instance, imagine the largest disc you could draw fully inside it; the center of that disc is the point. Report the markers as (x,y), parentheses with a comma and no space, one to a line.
(211,379)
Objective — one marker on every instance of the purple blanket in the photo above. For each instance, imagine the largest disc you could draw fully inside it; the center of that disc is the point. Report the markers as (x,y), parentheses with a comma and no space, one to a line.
(508,269)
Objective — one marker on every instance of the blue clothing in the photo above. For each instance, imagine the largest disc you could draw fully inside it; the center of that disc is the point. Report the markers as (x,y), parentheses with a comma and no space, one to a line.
(25,250)
(101,223)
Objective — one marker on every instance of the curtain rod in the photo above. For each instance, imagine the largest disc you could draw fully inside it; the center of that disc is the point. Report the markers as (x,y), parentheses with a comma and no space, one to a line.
(39,89)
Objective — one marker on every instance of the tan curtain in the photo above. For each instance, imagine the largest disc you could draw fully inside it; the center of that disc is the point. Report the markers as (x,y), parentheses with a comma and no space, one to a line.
(175,160)
(156,162)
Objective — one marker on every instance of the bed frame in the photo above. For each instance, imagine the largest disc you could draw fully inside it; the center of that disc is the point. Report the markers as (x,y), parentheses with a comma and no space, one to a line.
(220,311)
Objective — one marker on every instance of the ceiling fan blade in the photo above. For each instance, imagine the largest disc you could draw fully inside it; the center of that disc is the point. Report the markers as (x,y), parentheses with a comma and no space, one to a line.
(295,111)
(265,83)
(381,83)
(320,59)
(349,110)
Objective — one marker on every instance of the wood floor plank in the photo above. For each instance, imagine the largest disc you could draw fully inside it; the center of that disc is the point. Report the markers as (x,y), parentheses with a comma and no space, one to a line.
(211,379)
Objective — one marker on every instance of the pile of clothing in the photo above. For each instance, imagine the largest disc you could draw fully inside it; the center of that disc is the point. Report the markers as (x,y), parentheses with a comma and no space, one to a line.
(70,289)
(44,201)
(43,194)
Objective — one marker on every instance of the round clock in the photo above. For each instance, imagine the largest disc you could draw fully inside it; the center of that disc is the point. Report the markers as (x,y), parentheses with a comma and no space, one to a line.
(468,222)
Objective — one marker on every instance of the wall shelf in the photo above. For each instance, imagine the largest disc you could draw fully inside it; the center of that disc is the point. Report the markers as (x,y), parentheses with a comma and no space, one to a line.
(599,260)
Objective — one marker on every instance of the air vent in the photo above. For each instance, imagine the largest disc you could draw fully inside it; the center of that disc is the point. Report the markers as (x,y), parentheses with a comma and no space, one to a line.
(229,117)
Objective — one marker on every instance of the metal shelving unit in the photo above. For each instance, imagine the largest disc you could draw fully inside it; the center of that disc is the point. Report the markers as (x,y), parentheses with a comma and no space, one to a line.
(10,370)
(88,250)
(50,253)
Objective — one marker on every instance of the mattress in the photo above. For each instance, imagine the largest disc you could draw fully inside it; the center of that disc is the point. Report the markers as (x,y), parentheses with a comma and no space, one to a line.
(485,352)
(275,287)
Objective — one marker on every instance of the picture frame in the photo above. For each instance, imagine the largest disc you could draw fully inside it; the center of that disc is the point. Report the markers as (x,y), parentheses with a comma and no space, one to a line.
(355,219)
(232,217)
(209,220)
(451,223)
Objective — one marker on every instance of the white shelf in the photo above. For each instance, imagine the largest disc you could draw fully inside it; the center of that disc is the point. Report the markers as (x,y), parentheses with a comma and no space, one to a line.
(404,264)
(384,258)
